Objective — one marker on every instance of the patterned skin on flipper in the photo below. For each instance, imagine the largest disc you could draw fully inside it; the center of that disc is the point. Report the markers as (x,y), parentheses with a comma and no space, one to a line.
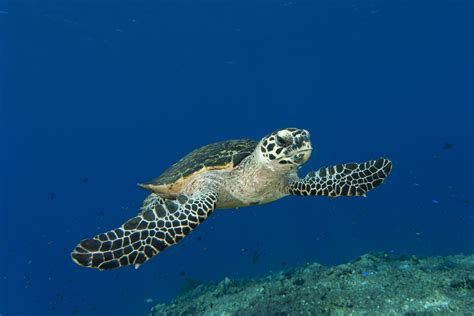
(350,179)
(160,224)
(150,202)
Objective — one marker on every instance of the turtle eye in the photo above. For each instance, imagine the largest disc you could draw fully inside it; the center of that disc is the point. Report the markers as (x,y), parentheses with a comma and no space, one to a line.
(282,141)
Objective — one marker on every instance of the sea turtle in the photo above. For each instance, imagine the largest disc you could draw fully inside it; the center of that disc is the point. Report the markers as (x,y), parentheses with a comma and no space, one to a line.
(227,174)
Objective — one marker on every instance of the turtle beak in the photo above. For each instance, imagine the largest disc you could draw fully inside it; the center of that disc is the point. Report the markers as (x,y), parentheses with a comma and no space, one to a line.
(302,156)
(303,143)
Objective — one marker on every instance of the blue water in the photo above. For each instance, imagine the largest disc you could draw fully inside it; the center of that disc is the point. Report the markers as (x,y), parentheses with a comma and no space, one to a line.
(97,96)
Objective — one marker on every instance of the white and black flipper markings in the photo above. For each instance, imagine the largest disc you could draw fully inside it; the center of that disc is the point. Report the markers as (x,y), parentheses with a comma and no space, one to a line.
(350,179)
(160,224)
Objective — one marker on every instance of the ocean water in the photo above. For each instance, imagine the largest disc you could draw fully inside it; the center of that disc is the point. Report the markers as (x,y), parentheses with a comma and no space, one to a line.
(97,96)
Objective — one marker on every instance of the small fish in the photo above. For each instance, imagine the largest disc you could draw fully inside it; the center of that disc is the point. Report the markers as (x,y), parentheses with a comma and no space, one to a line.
(84,180)
(435,201)
(148,300)
(448,146)
(52,196)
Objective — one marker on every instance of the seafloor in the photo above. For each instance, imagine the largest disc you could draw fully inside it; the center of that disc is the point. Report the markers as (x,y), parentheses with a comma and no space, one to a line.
(374,284)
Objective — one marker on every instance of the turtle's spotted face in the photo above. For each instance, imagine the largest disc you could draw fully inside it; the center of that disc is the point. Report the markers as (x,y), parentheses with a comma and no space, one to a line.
(289,147)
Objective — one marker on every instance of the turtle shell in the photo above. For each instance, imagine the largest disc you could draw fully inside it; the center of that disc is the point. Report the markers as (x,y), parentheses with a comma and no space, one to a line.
(216,156)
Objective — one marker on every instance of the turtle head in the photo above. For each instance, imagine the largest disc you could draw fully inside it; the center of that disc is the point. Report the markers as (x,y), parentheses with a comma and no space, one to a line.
(286,148)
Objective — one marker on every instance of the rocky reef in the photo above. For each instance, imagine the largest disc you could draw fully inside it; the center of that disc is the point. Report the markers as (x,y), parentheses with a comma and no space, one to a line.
(373,284)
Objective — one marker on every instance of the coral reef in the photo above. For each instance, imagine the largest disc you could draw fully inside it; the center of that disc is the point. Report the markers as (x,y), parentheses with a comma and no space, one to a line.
(374,283)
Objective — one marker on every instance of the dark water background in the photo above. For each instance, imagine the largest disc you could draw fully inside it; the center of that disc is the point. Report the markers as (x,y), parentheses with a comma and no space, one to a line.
(99,95)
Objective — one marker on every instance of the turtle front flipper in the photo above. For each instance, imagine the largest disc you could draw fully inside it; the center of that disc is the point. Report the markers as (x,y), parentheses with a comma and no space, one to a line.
(350,179)
(159,225)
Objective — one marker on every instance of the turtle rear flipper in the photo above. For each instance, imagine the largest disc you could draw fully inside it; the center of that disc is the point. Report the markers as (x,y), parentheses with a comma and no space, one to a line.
(350,179)
(159,225)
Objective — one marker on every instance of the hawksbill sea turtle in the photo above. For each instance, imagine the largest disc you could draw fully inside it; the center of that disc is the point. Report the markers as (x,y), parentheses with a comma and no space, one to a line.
(228,174)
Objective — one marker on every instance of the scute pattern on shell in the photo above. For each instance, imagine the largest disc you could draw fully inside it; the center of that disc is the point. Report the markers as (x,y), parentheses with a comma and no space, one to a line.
(211,156)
